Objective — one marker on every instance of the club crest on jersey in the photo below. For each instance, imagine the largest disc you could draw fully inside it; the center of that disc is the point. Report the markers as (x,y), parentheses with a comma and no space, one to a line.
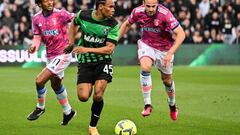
(105,31)
(156,22)
(54,20)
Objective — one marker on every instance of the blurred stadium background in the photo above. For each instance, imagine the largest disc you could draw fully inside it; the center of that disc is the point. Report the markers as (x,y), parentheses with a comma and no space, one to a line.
(206,74)
(212,28)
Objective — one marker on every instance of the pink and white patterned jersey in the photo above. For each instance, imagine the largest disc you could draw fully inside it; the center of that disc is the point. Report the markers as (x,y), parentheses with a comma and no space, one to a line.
(53,30)
(156,30)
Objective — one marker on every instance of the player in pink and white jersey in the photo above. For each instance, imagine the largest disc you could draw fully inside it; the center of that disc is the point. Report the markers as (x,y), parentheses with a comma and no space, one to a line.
(50,27)
(161,37)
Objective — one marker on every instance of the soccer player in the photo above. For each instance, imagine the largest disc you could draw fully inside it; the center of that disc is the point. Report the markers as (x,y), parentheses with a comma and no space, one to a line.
(95,47)
(161,37)
(50,26)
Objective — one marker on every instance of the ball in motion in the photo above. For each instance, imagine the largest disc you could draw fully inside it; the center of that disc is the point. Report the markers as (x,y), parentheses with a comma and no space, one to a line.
(125,127)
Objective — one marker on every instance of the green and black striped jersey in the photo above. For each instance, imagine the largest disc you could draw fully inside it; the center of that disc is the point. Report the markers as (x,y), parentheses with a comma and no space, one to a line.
(95,34)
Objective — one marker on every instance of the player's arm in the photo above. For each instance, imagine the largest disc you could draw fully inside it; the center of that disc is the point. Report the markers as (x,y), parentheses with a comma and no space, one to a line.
(72,32)
(36,42)
(124,28)
(108,49)
(180,36)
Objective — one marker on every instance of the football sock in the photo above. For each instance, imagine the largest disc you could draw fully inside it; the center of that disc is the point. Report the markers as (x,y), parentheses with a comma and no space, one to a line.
(61,95)
(96,111)
(41,95)
(146,84)
(170,90)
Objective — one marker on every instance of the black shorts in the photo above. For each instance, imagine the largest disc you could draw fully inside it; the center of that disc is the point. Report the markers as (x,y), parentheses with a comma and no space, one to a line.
(90,72)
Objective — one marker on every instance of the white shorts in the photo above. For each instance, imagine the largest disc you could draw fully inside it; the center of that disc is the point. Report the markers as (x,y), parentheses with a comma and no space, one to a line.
(58,64)
(156,55)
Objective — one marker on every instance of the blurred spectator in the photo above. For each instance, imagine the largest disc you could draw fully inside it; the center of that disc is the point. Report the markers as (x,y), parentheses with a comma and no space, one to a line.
(16,38)
(197,38)
(237,41)
(215,6)
(214,22)
(5,35)
(228,29)
(203,20)
(207,37)
(236,6)
(188,39)
(204,7)
(8,20)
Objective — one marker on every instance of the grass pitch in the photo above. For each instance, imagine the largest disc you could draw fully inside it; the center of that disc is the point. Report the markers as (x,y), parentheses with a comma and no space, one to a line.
(208,99)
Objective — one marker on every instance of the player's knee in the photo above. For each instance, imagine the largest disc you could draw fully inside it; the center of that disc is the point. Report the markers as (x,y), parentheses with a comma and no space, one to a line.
(146,68)
(97,98)
(56,87)
(83,98)
(39,82)
(167,82)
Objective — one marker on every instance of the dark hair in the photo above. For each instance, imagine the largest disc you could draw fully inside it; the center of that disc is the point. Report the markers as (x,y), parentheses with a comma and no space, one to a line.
(37,1)
(98,2)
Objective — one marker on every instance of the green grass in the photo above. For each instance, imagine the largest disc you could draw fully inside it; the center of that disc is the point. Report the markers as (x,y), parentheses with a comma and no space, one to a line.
(208,98)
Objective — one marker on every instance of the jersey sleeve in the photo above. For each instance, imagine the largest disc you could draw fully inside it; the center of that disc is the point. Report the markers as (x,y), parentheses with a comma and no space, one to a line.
(171,21)
(67,16)
(77,18)
(132,18)
(35,28)
(113,35)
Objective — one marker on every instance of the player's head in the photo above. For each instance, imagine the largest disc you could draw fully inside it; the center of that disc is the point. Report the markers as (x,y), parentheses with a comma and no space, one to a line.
(150,6)
(106,7)
(45,4)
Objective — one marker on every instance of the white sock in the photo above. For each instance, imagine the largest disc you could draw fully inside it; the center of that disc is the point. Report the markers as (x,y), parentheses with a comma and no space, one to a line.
(146,84)
(171,93)
(63,100)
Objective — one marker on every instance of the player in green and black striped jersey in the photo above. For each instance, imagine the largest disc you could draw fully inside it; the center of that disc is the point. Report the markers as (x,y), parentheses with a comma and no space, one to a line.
(99,36)
(95,34)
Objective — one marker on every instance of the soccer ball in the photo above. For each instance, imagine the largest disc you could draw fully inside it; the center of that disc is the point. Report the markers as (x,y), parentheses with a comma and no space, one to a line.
(125,127)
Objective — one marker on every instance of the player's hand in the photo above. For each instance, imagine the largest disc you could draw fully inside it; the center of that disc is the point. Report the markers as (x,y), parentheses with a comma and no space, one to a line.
(80,49)
(167,59)
(68,49)
(31,49)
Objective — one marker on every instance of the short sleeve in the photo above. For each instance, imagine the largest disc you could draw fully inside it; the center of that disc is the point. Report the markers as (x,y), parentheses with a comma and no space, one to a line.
(35,28)
(171,21)
(77,19)
(113,35)
(67,16)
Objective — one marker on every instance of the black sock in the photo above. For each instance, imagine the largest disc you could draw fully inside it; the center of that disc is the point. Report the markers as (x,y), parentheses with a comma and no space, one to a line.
(96,111)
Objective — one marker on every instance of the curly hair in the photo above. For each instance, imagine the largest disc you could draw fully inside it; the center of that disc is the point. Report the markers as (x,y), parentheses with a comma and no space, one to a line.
(37,2)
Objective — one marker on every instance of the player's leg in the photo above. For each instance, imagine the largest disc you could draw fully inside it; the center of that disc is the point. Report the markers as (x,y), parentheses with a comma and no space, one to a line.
(84,82)
(61,94)
(170,90)
(97,105)
(146,84)
(166,76)
(103,75)
(146,56)
(84,91)
(41,80)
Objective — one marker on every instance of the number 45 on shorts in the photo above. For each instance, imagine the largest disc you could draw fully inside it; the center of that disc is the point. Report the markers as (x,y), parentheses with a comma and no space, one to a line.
(108,69)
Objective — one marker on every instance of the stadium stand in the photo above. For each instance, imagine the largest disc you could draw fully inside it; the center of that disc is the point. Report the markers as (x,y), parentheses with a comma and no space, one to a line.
(204,21)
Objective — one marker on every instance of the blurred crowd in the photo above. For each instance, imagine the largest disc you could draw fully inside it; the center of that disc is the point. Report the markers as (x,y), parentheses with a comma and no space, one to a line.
(204,21)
